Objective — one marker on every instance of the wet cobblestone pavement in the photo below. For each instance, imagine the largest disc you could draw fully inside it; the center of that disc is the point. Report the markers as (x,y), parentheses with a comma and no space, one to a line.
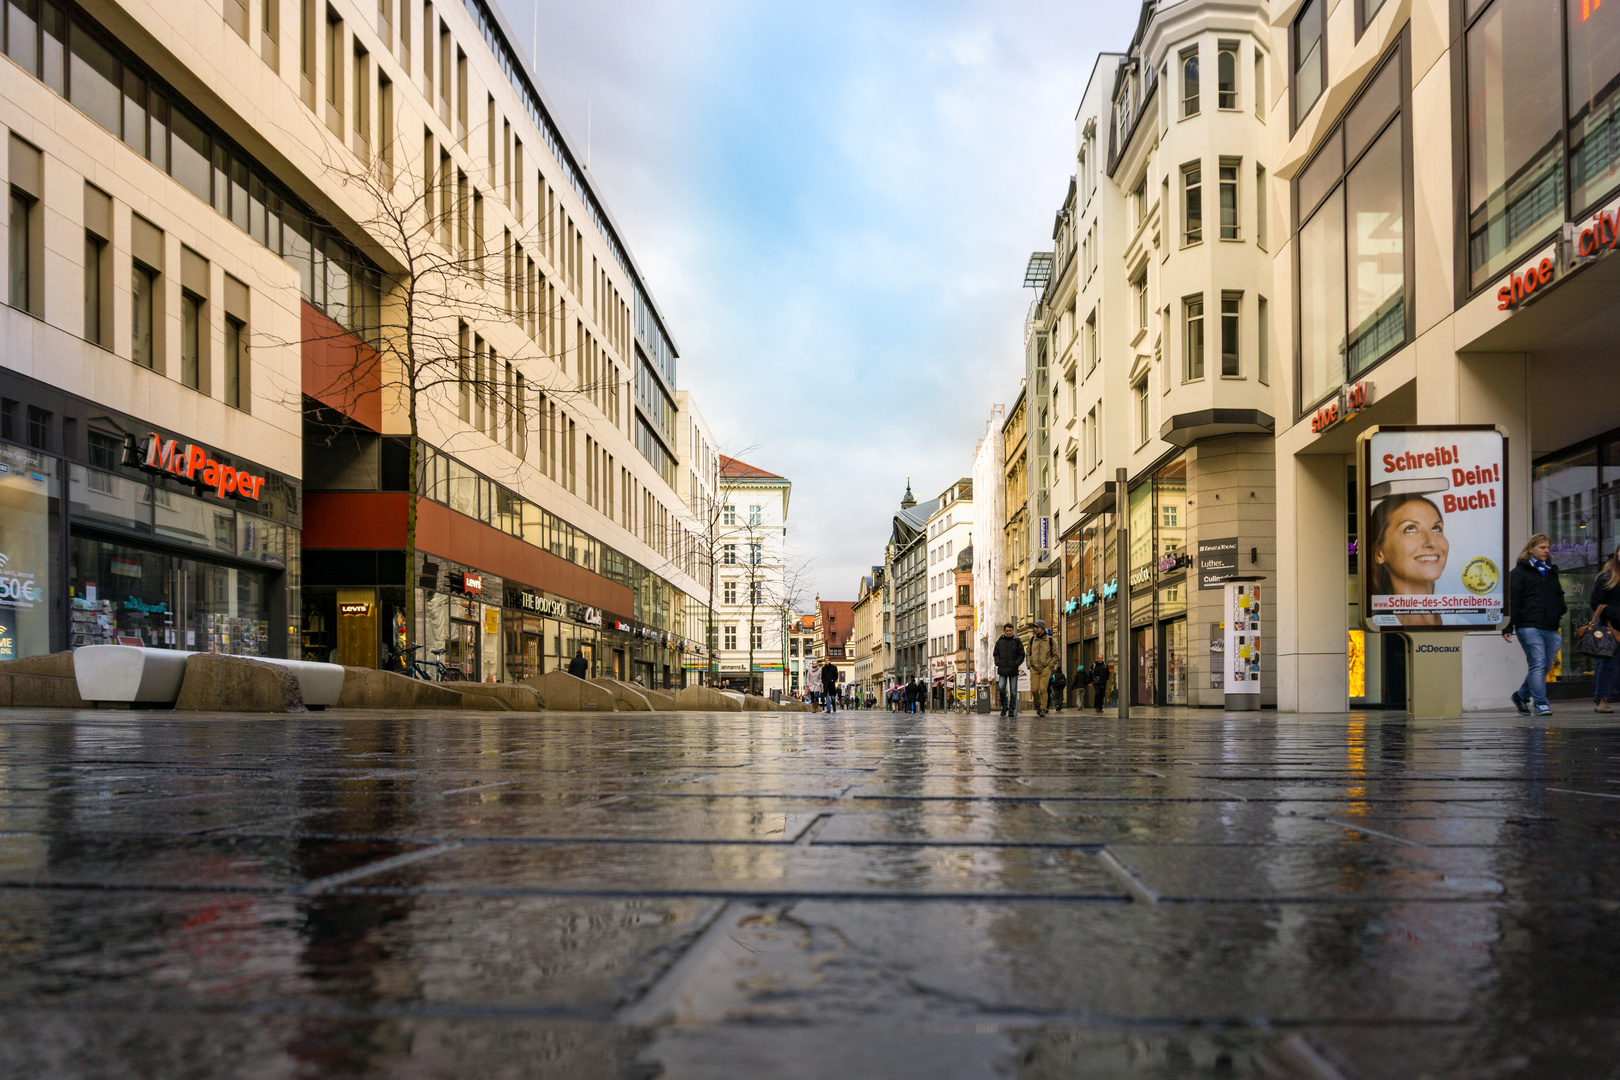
(792,895)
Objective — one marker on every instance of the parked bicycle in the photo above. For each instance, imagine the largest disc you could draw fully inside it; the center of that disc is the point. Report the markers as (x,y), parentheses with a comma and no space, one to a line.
(404,660)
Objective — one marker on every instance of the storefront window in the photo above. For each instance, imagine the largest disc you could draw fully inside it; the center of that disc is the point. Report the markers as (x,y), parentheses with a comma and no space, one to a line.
(1594,102)
(1515,149)
(27,566)
(125,594)
(1141,526)
(1350,203)
(1565,504)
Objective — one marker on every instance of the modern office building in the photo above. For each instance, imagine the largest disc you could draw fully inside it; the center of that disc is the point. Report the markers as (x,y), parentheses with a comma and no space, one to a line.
(1446,188)
(222,220)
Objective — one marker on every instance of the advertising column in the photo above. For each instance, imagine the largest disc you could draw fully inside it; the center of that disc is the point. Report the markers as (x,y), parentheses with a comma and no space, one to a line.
(1243,651)
(1434,500)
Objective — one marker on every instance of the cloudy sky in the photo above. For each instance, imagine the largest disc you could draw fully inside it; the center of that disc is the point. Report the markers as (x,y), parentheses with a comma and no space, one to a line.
(833,204)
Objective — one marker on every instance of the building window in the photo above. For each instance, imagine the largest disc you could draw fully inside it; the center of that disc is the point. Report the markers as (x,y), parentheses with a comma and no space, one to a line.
(753,555)
(1192,203)
(1139,286)
(1229,198)
(1515,145)
(39,428)
(753,515)
(144,290)
(1310,57)
(23,247)
(1189,83)
(729,554)
(756,593)
(728,516)
(1226,92)
(1260,85)
(1365,12)
(793,646)
(731,637)
(728,593)
(1350,203)
(235,360)
(756,636)
(1260,206)
(95,259)
(1192,337)
(1231,320)
(1140,390)
(191,332)
(1263,353)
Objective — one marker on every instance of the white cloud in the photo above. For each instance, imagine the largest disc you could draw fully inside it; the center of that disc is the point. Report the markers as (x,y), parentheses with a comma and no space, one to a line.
(833,205)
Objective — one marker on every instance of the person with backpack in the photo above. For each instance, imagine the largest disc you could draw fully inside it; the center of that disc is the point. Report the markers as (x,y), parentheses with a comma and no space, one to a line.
(1098,678)
(1059,687)
(829,686)
(1043,660)
(1536,609)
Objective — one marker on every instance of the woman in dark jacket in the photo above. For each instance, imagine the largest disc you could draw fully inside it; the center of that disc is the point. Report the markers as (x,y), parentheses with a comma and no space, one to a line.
(1536,608)
(1605,602)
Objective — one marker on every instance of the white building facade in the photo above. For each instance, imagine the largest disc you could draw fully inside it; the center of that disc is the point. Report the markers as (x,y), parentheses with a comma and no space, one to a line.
(950,530)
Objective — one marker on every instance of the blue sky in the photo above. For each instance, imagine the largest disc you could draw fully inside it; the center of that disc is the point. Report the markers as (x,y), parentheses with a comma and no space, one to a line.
(833,205)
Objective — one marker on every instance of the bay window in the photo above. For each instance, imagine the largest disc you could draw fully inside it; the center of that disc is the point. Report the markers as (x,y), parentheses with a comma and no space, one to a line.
(1350,214)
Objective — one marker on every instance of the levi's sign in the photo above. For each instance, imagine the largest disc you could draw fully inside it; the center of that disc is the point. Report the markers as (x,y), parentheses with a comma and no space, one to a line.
(191,463)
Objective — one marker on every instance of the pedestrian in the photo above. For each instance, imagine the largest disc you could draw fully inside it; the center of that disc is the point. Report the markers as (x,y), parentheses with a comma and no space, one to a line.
(579,667)
(1008,657)
(1043,658)
(1536,605)
(1060,686)
(829,685)
(1605,602)
(1099,681)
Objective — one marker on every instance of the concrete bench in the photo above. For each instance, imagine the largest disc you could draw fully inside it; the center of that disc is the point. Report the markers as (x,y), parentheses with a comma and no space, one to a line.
(127,673)
(322,684)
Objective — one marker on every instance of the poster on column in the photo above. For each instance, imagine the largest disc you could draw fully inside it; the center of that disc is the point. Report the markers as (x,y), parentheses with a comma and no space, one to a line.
(1242,619)
(1433,549)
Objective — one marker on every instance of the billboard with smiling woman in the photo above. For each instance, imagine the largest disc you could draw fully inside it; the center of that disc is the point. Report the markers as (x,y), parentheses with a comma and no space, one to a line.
(1433,514)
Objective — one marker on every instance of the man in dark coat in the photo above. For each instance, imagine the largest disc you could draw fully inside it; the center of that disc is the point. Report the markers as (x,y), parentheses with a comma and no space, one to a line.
(579,667)
(1536,607)
(1099,682)
(829,686)
(1008,657)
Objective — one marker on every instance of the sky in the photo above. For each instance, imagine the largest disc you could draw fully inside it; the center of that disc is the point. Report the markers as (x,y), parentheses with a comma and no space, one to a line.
(832,205)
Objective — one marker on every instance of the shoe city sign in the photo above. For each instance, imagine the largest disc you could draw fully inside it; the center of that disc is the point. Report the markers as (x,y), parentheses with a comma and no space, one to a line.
(1578,243)
(193,464)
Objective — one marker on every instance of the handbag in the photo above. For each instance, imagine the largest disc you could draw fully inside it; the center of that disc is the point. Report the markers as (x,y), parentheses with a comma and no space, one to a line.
(1598,638)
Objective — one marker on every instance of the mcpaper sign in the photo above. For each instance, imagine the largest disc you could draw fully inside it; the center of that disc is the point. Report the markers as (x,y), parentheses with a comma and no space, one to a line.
(1433,550)
(193,464)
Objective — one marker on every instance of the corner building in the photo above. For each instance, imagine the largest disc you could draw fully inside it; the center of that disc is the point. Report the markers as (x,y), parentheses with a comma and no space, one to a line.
(1161,362)
(199,250)
(1428,153)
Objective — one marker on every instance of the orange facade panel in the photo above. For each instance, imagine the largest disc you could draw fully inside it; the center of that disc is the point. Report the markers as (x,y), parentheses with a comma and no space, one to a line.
(339,370)
(377,520)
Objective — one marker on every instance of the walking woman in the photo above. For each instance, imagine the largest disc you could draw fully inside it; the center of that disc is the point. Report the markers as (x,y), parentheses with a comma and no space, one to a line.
(1536,602)
(1606,612)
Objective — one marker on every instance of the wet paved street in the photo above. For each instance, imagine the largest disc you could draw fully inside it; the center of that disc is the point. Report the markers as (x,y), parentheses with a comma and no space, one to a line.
(794,895)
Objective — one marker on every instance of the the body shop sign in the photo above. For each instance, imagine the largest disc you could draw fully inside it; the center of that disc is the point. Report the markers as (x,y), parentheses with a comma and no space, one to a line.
(1433,550)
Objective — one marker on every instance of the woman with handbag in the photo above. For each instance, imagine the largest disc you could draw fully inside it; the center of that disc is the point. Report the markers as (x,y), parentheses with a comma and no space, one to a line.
(1600,635)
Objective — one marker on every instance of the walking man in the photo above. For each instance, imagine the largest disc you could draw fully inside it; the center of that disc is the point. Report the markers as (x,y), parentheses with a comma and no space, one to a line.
(1043,658)
(1099,682)
(1009,657)
(579,667)
(1536,604)
(829,686)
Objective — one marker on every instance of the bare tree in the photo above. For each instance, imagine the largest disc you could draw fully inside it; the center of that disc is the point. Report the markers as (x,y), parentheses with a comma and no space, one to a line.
(422,315)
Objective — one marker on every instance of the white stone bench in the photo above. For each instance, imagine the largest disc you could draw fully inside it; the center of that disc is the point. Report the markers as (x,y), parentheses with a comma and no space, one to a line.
(321,684)
(128,673)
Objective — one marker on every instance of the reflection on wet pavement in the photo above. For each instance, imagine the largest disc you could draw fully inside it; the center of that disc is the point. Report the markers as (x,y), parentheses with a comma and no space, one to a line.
(792,895)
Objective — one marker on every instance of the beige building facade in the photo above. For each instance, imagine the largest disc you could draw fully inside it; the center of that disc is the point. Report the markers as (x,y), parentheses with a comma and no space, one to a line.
(1428,156)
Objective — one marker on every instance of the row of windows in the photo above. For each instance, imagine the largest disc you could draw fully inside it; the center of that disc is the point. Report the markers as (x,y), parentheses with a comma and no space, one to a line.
(1226,80)
(755,593)
(756,637)
(1230,222)
(77,59)
(26,287)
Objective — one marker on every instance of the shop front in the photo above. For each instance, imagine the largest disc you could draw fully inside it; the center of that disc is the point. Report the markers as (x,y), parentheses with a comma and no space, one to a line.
(169,547)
